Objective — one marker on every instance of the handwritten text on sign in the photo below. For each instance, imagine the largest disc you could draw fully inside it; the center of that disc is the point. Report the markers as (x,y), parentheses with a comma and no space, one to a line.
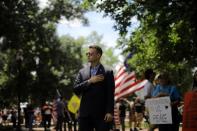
(159,110)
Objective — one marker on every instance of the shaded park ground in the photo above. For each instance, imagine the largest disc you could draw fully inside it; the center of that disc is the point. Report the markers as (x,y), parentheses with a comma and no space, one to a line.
(38,128)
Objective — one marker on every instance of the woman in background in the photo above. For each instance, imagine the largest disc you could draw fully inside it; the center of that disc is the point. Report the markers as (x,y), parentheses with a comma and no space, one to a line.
(164,88)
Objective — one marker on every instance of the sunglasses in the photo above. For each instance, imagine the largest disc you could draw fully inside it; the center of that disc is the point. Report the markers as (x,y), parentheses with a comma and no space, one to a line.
(89,54)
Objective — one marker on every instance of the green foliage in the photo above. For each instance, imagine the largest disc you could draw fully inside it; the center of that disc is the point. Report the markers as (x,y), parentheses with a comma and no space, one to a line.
(71,62)
(165,39)
(45,66)
(109,58)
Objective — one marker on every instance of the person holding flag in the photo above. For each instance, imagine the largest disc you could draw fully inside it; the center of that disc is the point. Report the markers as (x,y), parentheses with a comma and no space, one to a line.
(73,104)
(73,107)
(95,84)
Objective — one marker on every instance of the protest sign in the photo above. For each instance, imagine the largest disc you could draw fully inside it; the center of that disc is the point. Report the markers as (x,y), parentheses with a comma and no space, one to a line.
(159,110)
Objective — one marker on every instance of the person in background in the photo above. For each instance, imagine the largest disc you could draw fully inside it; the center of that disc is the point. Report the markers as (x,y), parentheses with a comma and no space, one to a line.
(54,112)
(149,75)
(38,117)
(165,88)
(122,114)
(1,120)
(67,118)
(4,116)
(139,113)
(30,112)
(60,106)
(132,117)
(75,120)
(95,83)
(47,113)
(194,87)
(26,117)
(152,127)
(13,118)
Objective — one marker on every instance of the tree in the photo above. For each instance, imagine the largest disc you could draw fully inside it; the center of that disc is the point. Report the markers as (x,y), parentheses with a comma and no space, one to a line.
(165,38)
(71,62)
(24,26)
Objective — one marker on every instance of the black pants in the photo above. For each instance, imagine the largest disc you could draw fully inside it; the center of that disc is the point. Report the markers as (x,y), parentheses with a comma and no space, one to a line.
(122,121)
(175,122)
(169,127)
(60,120)
(89,124)
(47,121)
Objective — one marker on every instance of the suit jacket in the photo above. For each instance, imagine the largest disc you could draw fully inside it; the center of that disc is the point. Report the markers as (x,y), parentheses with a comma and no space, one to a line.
(96,99)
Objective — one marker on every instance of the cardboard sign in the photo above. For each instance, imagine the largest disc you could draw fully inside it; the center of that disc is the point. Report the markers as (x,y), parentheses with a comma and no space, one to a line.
(190,112)
(159,110)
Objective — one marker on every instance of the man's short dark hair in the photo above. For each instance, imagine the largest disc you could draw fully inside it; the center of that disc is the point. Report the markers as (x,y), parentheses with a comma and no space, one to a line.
(148,73)
(98,49)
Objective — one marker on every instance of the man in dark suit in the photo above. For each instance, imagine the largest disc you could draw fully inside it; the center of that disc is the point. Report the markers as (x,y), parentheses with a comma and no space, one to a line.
(95,85)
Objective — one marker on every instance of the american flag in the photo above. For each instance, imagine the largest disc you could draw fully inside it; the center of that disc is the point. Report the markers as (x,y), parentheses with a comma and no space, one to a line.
(116,116)
(126,83)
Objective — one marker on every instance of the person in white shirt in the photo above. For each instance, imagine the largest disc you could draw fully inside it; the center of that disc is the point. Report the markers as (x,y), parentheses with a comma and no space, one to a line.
(149,75)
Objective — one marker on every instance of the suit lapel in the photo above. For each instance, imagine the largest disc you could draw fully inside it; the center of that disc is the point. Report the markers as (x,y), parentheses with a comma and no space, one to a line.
(87,72)
(101,70)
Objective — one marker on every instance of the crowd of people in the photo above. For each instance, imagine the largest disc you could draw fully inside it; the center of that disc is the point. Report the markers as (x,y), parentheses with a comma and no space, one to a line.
(50,115)
(8,116)
(95,85)
(158,85)
(135,113)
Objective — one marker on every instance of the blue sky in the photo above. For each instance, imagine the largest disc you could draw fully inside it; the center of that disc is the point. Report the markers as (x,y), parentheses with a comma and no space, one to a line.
(102,25)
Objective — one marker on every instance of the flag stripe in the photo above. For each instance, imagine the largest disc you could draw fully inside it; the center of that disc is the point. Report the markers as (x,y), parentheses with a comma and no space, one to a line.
(130,79)
(121,71)
(133,84)
(119,79)
(116,116)
(125,83)
(124,78)
(131,89)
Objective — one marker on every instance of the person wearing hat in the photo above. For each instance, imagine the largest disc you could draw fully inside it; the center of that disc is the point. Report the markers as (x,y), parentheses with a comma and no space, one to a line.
(165,88)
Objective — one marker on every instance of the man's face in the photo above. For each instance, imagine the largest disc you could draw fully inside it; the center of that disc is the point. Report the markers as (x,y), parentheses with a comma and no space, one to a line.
(93,55)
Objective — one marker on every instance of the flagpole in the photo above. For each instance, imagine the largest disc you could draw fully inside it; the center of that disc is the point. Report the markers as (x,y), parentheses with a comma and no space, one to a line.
(58,93)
